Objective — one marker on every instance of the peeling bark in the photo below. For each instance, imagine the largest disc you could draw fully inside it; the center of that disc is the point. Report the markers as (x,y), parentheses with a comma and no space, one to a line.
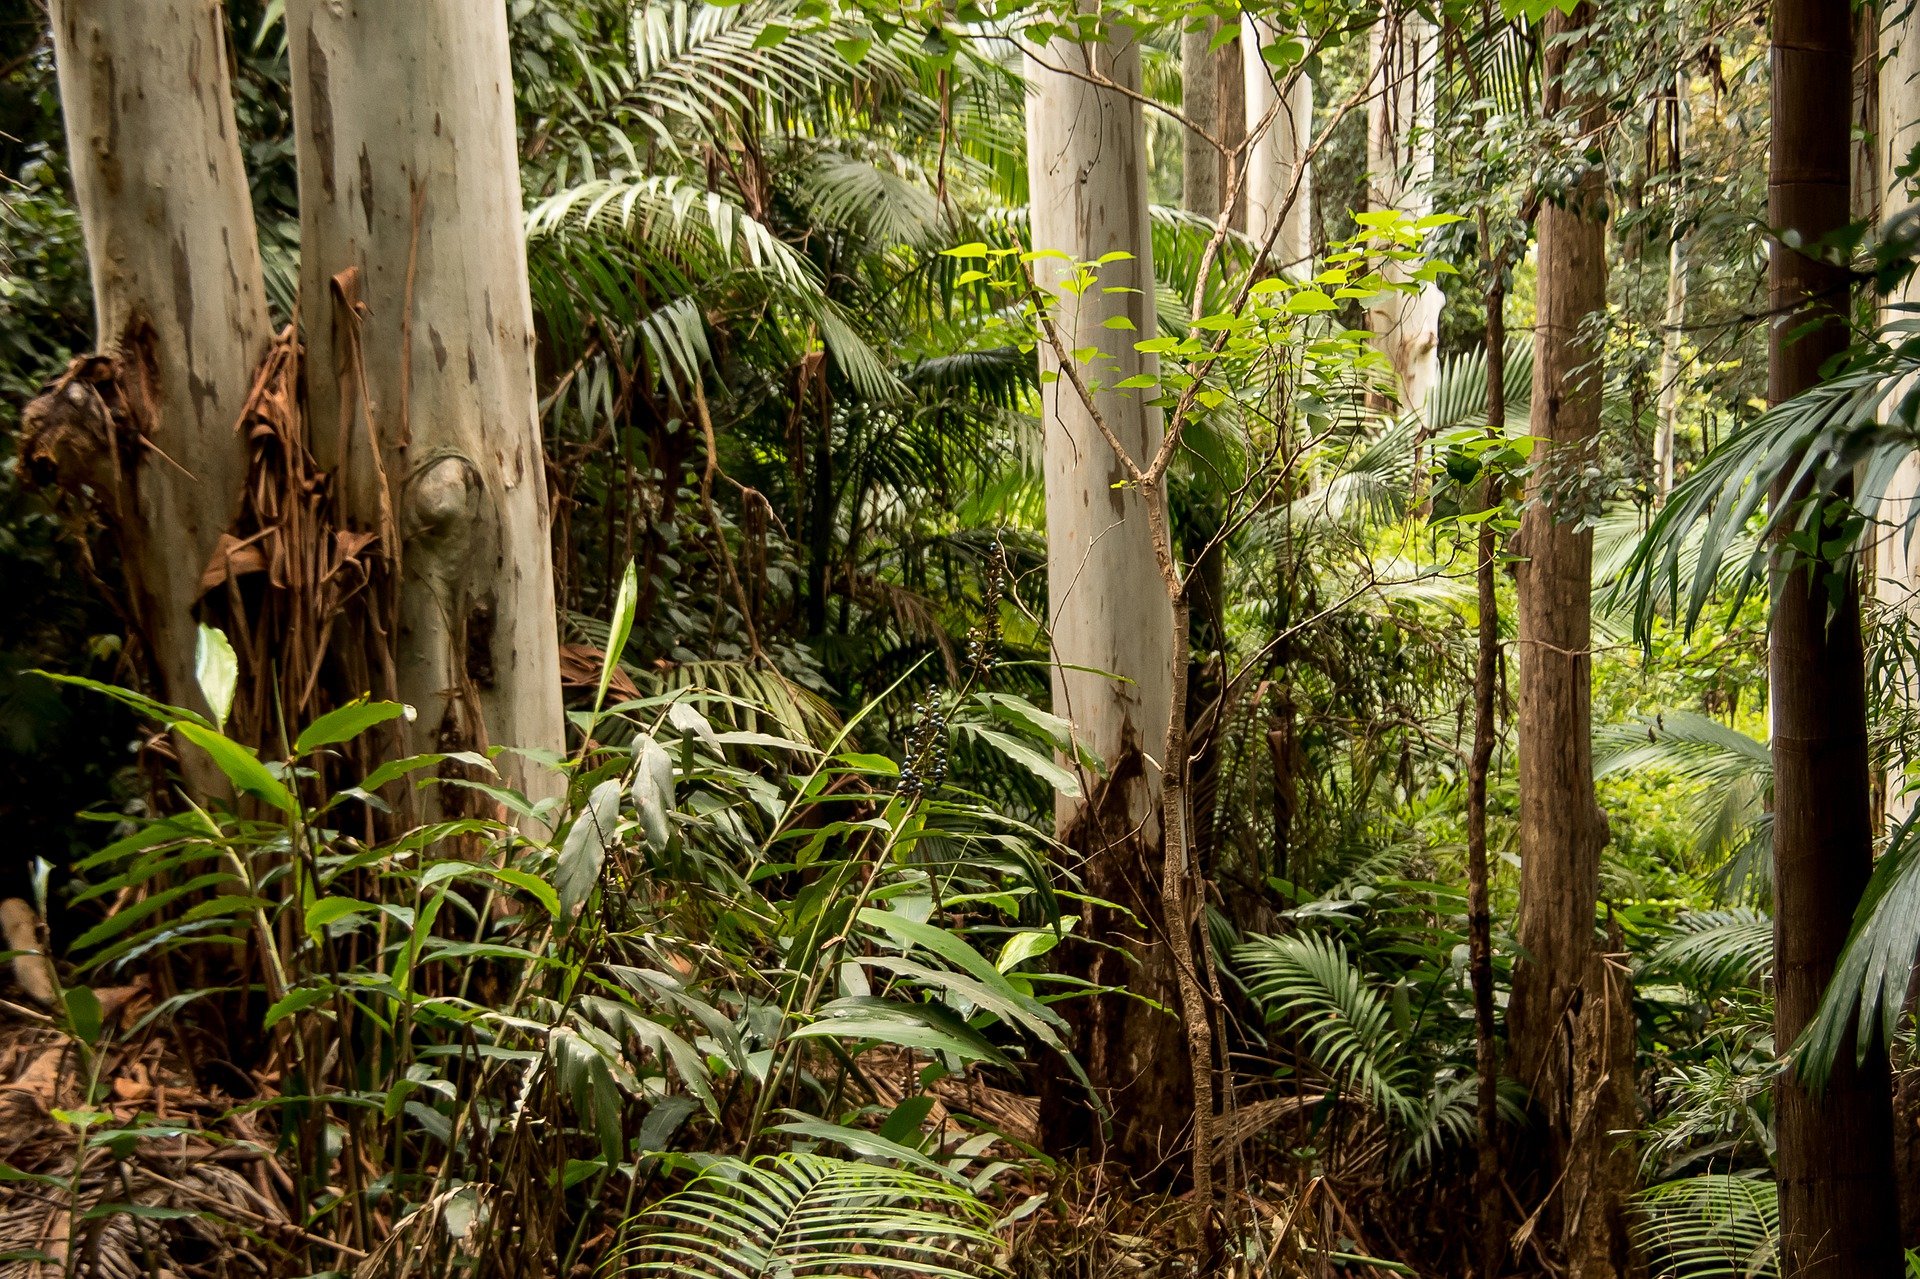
(419,381)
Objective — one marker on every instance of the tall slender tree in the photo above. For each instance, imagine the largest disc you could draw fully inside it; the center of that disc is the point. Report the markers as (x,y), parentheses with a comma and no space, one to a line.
(1279,181)
(177,286)
(419,377)
(1838,1213)
(1403,49)
(1570,1023)
(1107,612)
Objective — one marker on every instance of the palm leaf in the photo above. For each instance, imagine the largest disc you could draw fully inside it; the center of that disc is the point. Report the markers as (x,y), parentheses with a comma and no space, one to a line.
(792,1215)
(1311,986)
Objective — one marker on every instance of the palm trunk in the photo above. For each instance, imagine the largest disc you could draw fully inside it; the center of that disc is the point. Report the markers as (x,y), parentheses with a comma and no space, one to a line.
(1106,607)
(1838,1211)
(1403,49)
(419,379)
(1279,182)
(177,286)
(1565,1028)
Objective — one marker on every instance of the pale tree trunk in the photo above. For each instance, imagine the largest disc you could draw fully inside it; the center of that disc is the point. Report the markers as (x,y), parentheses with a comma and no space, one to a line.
(1201,182)
(177,287)
(1675,316)
(1896,564)
(1279,181)
(420,337)
(1834,1149)
(1403,49)
(1570,1024)
(1107,608)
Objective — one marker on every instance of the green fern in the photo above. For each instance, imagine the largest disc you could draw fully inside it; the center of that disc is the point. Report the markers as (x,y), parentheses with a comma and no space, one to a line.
(1714,950)
(793,1215)
(1711,1227)
(1310,985)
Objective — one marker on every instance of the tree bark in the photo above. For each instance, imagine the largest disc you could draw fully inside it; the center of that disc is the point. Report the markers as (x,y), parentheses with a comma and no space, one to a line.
(419,378)
(1201,180)
(1107,607)
(177,286)
(1674,318)
(1896,567)
(1402,50)
(1838,1214)
(1490,1243)
(1563,1021)
(1279,182)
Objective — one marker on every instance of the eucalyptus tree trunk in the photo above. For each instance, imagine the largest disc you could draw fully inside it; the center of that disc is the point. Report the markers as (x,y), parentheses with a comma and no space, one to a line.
(1569,1020)
(419,374)
(1279,180)
(1107,607)
(177,288)
(1834,1149)
(1896,565)
(1403,48)
(1675,316)
(1201,173)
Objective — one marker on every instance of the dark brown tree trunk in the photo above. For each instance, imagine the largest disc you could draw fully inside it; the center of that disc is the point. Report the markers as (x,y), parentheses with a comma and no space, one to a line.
(1561,828)
(1486,674)
(1564,1022)
(1838,1208)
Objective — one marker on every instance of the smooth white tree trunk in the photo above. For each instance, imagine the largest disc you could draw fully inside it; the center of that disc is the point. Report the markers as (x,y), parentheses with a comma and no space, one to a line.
(1897,558)
(420,337)
(1403,50)
(1107,606)
(177,285)
(1277,152)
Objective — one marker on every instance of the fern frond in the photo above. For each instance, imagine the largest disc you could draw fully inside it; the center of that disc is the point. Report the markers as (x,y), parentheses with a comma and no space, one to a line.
(1311,986)
(801,1215)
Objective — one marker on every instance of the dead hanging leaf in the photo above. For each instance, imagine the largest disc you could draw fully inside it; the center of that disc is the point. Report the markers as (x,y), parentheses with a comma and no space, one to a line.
(580,668)
(302,599)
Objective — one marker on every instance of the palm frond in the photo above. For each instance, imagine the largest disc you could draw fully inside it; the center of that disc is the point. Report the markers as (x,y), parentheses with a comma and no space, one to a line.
(1857,428)
(792,1215)
(1312,987)
(1711,1227)
(1715,950)
(1876,968)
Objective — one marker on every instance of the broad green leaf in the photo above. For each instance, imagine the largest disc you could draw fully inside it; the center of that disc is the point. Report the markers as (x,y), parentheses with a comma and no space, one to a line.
(585,850)
(345,723)
(329,910)
(217,671)
(623,606)
(1037,762)
(248,775)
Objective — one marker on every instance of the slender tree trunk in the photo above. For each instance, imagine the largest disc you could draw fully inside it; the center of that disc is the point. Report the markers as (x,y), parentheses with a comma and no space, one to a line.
(1106,604)
(1564,1019)
(1279,182)
(1896,566)
(419,378)
(1201,181)
(1838,1211)
(1674,319)
(1403,49)
(177,287)
(1491,1246)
